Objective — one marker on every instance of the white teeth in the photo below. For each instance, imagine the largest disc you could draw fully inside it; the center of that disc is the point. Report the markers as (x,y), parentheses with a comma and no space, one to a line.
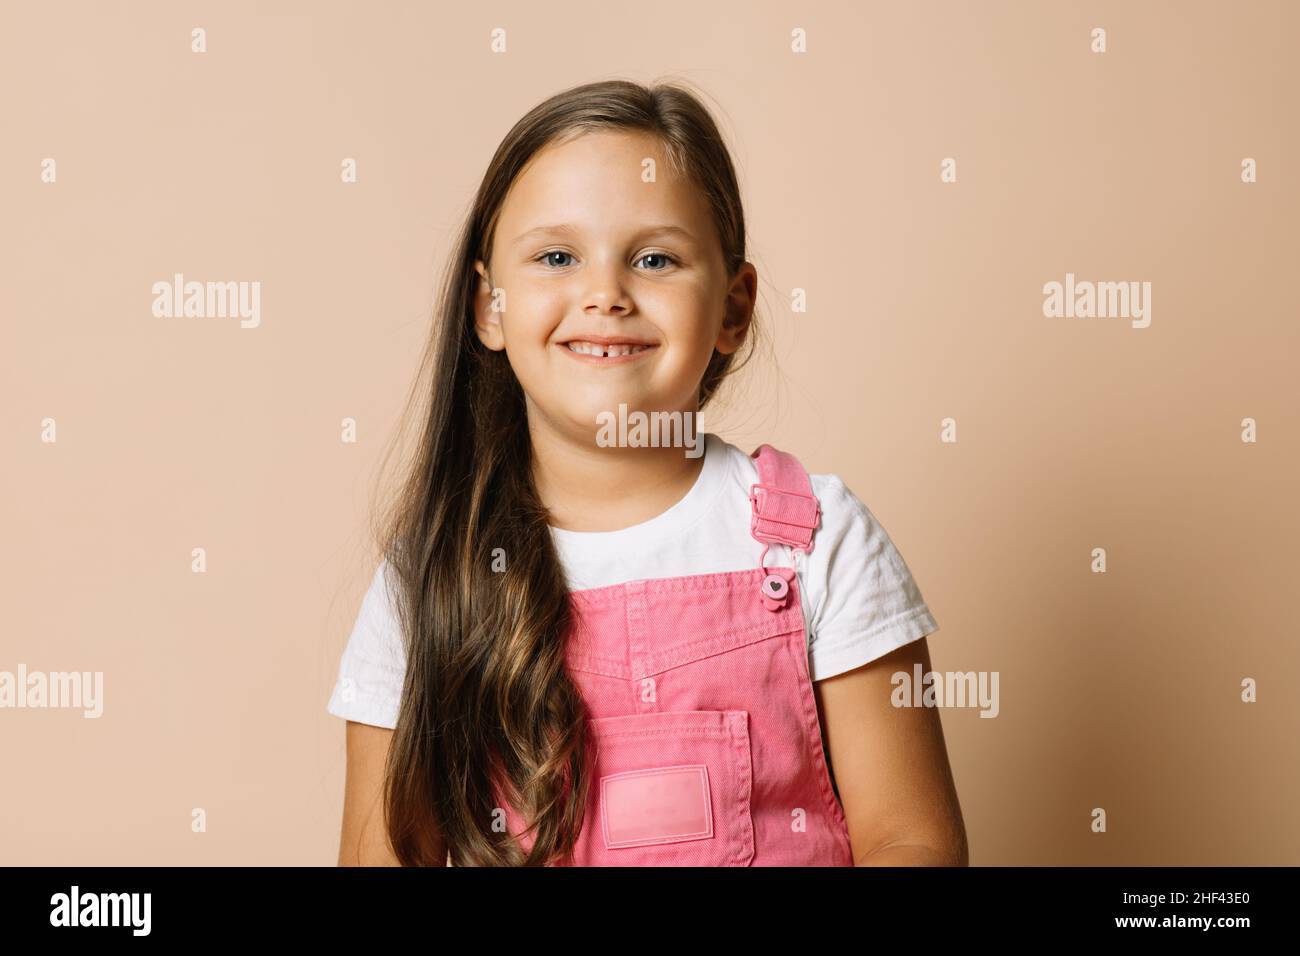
(606,351)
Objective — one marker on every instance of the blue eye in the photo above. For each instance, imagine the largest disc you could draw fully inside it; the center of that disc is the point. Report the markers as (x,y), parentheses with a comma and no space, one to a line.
(658,255)
(553,252)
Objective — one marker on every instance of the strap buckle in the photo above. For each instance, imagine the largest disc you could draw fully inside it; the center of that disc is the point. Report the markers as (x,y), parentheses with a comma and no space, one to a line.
(784,516)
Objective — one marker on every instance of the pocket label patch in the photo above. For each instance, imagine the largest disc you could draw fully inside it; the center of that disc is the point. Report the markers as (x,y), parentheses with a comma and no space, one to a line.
(660,805)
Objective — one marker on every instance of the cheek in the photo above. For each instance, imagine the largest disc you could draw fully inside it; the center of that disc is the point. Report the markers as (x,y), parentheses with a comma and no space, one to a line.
(684,369)
(528,329)
(686,316)
(702,336)
(536,303)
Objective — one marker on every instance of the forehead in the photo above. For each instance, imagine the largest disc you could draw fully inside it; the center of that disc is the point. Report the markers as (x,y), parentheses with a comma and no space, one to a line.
(595,183)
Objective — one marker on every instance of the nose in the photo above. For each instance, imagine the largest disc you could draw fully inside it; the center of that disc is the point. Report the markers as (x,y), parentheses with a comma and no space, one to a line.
(605,291)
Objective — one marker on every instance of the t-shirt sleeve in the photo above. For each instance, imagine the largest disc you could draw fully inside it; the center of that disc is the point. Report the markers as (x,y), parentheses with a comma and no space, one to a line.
(869,603)
(373,667)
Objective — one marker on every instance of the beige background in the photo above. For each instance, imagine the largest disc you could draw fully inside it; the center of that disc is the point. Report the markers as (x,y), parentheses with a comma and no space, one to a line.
(1119,690)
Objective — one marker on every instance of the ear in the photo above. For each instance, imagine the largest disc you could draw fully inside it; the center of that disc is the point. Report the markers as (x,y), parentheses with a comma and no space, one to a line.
(739,309)
(487,323)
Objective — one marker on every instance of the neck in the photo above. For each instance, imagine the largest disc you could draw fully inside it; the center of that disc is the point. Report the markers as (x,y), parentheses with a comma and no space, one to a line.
(585,487)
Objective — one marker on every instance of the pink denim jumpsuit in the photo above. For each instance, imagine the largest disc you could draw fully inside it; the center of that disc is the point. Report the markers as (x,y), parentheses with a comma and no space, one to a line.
(708,748)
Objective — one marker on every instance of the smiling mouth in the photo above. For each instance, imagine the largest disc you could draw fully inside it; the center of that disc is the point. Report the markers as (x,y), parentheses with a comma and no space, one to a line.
(600,350)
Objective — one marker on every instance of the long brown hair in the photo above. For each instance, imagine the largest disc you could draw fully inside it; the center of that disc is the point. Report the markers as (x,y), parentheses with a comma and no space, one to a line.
(487,700)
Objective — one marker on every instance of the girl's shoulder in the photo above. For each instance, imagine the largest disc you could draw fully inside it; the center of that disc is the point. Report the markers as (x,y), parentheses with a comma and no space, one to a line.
(837,501)
(372,668)
(867,602)
(863,600)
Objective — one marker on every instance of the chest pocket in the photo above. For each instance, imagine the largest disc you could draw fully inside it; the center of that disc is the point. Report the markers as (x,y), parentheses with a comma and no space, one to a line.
(671,788)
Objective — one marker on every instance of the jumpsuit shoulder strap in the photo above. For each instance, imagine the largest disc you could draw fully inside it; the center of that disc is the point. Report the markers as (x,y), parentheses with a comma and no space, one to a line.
(784,508)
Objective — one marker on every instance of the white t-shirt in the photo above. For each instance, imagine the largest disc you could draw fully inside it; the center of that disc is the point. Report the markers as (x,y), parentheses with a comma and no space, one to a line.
(858,596)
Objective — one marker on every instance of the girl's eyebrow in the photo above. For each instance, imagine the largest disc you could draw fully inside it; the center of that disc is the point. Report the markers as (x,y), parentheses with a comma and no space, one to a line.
(568,229)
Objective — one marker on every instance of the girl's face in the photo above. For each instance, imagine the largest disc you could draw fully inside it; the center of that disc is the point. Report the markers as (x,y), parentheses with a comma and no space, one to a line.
(585,251)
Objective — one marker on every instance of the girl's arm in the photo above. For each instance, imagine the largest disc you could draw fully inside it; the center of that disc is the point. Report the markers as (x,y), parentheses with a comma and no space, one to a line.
(890,767)
(364,841)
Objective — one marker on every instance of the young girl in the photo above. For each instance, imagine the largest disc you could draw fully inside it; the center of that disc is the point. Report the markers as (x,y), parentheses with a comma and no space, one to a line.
(586,651)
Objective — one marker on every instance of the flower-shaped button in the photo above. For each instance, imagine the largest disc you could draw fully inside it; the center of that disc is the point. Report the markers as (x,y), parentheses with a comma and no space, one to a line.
(775,589)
